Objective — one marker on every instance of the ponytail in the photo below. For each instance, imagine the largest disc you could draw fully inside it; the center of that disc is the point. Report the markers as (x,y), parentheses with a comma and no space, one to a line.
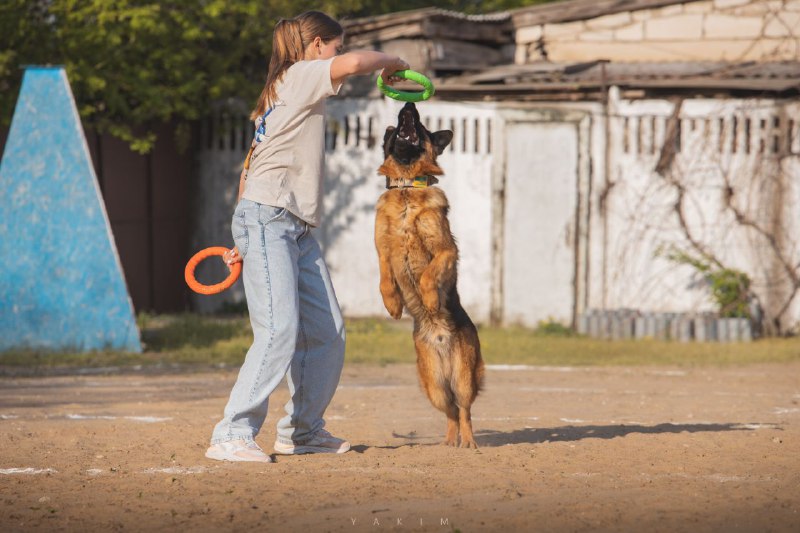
(289,42)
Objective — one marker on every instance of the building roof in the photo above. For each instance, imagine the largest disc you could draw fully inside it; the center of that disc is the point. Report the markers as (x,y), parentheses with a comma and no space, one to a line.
(546,80)
(494,27)
(573,10)
(429,23)
(553,81)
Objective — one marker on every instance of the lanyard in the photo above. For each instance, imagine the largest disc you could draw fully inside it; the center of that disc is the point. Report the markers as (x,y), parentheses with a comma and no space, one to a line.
(261,133)
(262,130)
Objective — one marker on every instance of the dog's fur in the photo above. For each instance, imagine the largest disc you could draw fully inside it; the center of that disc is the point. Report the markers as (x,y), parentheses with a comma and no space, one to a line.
(418,258)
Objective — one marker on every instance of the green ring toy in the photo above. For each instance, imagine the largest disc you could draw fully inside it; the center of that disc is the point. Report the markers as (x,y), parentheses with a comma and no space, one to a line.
(408,96)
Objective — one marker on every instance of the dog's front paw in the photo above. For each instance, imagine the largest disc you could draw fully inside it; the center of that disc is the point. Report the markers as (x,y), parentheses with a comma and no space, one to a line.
(391,300)
(430,300)
(394,306)
(396,312)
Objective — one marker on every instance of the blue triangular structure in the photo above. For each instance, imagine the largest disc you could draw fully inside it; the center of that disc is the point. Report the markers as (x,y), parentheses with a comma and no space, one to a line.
(61,281)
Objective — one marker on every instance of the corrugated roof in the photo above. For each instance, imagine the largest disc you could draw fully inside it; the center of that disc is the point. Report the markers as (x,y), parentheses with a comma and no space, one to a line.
(776,78)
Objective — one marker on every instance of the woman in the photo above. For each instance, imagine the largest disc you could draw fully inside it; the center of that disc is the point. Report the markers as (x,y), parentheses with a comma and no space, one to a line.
(297,324)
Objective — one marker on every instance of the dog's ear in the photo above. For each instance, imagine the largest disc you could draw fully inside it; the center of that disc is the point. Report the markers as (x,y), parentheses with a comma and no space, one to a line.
(441,139)
(386,137)
(388,133)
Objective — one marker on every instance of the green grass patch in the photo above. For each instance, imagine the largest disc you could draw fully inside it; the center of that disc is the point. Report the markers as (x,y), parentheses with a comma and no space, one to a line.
(185,340)
(522,346)
(198,341)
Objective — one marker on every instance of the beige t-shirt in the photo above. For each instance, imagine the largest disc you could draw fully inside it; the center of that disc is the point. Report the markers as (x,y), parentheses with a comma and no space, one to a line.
(287,166)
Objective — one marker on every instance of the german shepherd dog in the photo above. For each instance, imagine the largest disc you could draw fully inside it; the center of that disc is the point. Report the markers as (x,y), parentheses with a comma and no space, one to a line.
(418,259)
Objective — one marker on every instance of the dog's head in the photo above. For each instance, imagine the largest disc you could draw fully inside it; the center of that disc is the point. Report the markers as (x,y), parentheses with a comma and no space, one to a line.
(409,149)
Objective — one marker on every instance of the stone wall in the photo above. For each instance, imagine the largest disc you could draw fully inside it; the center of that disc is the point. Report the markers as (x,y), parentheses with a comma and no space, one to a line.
(711,30)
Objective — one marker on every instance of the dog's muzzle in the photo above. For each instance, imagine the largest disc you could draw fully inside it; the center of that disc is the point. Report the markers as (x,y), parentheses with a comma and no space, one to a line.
(407,129)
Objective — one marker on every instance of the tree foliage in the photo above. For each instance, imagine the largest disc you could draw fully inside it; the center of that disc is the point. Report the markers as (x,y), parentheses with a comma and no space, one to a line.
(135,63)
(730,288)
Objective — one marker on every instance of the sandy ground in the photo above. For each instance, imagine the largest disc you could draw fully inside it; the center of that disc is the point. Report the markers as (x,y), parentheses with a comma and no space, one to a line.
(562,449)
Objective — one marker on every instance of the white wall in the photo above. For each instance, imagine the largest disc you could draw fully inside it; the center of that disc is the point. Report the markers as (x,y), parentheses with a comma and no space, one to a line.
(724,143)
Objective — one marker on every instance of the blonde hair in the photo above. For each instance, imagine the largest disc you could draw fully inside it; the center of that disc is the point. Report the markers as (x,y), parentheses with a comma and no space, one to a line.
(289,42)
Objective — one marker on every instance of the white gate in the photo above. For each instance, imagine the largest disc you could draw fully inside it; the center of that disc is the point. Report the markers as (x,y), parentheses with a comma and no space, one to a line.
(540,202)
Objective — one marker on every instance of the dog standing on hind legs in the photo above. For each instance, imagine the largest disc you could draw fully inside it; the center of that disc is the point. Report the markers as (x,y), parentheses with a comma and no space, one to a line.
(418,261)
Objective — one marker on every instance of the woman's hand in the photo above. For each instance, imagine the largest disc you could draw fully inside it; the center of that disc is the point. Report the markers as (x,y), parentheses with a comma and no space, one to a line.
(388,70)
(232,256)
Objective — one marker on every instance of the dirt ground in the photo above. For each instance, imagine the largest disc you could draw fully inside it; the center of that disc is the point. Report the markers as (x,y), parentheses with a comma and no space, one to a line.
(562,449)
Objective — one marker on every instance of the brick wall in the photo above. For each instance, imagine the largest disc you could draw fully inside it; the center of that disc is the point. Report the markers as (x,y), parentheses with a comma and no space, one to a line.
(710,30)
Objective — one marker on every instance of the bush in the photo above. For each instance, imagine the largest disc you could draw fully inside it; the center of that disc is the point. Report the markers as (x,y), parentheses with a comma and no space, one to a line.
(553,328)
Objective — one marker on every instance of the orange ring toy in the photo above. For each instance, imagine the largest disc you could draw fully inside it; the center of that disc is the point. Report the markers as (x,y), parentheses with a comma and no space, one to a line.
(196,286)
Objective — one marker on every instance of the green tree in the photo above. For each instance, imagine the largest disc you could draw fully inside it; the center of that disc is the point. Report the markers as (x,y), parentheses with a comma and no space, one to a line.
(132,63)
(135,63)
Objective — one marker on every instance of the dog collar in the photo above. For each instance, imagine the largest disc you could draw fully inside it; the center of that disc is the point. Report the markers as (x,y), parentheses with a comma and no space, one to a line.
(420,182)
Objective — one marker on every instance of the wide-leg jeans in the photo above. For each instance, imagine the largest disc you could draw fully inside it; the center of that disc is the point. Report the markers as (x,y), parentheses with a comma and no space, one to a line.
(298,327)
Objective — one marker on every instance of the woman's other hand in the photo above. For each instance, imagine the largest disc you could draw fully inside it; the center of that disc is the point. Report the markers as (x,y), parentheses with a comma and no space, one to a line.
(232,256)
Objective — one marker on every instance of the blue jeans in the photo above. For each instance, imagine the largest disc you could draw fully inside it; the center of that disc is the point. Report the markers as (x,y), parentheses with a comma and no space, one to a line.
(297,325)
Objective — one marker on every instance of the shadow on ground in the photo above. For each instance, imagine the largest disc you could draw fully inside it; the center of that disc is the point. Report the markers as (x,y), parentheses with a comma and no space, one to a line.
(490,437)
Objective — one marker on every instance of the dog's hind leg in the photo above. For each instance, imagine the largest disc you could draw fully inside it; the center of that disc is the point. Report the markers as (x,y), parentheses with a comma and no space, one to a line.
(451,437)
(442,398)
(437,389)
(466,381)
(465,425)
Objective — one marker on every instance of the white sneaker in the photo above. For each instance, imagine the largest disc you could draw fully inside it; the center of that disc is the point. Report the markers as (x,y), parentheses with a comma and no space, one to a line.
(323,442)
(237,450)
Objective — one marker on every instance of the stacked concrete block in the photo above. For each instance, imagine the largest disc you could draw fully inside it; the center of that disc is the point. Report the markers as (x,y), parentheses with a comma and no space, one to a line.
(705,328)
(679,327)
(662,324)
(734,329)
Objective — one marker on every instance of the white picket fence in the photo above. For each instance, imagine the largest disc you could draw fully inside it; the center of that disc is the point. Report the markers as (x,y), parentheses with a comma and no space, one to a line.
(552,221)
